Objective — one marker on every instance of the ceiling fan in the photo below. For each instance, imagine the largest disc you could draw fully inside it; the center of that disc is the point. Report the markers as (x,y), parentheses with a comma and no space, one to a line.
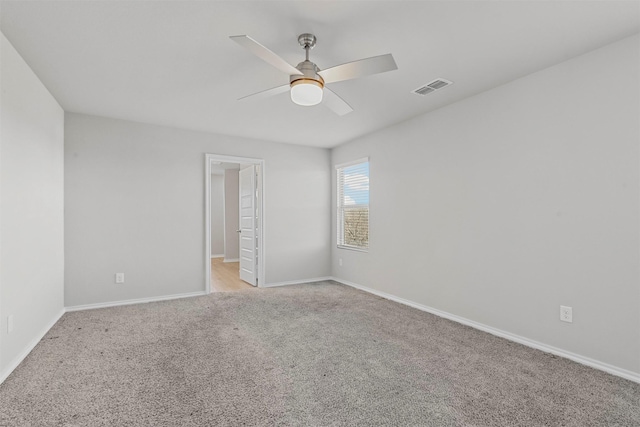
(307,81)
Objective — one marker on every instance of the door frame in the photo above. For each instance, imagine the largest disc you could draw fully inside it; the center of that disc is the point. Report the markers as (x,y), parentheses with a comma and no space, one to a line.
(207,216)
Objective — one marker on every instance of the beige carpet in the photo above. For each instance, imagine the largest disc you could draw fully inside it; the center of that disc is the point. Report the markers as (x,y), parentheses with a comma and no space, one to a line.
(313,355)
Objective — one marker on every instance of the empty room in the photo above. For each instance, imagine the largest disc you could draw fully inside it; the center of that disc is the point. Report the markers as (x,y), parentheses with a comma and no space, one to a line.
(319,213)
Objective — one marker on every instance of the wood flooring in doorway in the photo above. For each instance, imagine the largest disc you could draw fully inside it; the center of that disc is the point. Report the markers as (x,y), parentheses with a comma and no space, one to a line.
(225,276)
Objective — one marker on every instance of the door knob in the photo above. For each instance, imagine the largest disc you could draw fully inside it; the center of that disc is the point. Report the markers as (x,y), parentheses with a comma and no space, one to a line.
(239,231)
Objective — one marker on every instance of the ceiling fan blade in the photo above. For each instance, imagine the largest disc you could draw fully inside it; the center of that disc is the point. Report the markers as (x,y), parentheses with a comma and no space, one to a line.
(267,93)
(265,54)
(335,103)
(360,68)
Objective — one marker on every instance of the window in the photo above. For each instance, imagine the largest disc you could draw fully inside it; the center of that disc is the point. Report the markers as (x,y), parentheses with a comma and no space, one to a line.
(353,204)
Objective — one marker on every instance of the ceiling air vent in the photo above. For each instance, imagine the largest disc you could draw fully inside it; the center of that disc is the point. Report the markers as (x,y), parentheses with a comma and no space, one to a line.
(424,90)
(432,87)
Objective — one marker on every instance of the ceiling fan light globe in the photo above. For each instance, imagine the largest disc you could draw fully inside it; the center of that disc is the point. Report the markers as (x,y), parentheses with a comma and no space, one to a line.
(306,92)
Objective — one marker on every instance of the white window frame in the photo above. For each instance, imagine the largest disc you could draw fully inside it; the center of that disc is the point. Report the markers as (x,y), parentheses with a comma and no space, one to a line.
(340,207)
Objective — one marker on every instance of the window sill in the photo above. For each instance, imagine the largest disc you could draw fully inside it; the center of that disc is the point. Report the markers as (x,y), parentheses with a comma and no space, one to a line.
(353,248)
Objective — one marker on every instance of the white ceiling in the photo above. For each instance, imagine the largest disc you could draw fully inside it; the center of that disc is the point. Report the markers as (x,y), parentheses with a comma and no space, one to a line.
(172,63)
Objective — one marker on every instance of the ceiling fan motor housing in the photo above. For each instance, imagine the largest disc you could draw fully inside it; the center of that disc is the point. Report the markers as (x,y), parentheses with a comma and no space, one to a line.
(309,72)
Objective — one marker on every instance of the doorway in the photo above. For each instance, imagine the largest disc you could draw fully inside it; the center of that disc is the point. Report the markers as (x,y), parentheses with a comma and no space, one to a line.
(234,243)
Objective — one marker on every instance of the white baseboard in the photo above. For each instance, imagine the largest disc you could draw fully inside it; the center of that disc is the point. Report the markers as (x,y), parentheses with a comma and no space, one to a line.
(614,370)
(134,301)
(231,260)
(14,364)
(217,256)
(296,282)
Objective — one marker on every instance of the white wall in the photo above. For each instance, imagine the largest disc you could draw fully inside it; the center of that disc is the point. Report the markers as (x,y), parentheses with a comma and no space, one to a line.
(121,215)
(504,206)
(31,208)
(217,215)
(232,214)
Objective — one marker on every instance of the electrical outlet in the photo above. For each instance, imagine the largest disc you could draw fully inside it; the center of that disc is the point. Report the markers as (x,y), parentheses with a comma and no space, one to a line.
(119,277)
(566,314)
(10,323)
(340,262)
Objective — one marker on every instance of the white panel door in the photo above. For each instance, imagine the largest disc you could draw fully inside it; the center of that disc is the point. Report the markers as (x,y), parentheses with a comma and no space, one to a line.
(248,225)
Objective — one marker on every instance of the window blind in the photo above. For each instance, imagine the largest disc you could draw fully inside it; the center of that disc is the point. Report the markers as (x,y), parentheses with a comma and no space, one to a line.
(353,205)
